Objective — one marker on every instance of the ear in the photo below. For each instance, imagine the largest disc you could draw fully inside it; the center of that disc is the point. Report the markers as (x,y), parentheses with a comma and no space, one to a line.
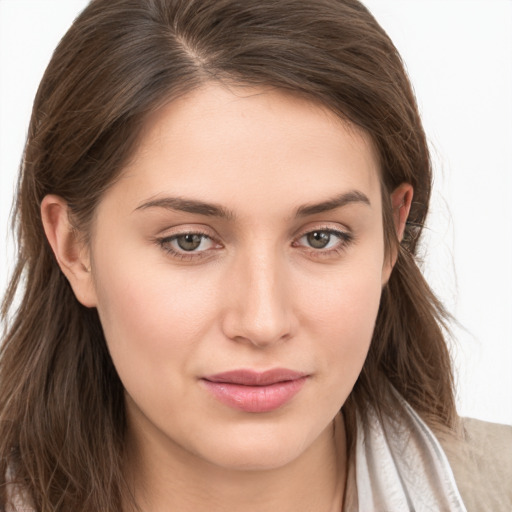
(401,200)
(71,253)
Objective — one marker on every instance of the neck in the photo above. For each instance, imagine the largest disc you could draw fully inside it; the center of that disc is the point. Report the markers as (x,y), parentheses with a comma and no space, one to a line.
(165,480)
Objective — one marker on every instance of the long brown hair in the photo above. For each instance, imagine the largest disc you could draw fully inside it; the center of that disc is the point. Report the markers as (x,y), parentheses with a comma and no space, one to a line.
(62,417)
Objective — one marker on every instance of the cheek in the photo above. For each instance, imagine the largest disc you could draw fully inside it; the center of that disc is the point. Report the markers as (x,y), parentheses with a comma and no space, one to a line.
(349,316)
(346,295)
(342,312)
(151,311)
(152,322)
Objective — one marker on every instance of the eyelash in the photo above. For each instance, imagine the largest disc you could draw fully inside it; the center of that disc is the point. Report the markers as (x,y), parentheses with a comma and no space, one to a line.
(345,240)
(165,244)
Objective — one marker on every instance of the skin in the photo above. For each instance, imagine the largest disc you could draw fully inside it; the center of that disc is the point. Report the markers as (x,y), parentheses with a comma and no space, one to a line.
(255,294)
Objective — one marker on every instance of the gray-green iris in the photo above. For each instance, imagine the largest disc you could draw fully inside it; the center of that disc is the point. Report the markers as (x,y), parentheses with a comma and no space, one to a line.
(189,242)
(318,239)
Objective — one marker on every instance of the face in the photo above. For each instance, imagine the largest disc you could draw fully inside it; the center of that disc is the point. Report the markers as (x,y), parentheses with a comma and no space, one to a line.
(237,269)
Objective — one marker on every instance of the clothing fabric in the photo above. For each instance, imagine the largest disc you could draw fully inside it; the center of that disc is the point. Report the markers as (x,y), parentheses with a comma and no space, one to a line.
(17,498)
(481,460)
(398,465)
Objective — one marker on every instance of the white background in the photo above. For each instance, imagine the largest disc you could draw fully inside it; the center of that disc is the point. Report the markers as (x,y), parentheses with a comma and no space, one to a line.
(459,56)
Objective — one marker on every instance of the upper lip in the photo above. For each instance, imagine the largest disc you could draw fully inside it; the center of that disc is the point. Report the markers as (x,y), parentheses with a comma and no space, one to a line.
(256,378)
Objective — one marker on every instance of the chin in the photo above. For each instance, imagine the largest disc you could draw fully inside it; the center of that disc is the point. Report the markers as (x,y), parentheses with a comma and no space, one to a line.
(259,448)
(255,457)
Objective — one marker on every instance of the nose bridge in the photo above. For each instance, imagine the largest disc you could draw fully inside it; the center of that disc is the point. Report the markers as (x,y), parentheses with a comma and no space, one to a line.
(260,304)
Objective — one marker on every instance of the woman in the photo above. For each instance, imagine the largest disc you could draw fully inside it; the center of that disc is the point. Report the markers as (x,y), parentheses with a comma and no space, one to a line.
(218,213)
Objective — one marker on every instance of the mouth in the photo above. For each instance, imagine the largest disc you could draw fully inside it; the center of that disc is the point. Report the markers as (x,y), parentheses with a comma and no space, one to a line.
(255,392)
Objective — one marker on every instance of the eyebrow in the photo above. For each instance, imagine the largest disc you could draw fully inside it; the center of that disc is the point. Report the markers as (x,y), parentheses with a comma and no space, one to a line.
(354,196)
(215,210)
(189,206)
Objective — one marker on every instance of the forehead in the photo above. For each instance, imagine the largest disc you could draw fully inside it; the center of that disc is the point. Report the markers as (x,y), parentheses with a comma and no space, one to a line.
(248,145)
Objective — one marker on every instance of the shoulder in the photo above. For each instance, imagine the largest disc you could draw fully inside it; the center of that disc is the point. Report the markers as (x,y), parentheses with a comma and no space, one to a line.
(481,460)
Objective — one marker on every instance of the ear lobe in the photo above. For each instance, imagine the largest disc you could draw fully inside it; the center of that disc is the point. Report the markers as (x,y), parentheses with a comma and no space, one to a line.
(70,252)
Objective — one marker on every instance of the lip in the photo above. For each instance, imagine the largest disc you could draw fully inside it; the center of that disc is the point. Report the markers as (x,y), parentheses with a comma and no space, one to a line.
(253,391)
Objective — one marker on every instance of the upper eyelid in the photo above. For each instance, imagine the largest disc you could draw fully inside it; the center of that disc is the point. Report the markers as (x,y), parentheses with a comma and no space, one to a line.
(206,231)
(331,231)
(323,226)
(187,230)
(172,237)
(181,230)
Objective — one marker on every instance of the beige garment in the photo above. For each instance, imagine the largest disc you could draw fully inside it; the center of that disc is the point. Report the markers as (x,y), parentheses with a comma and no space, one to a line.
(481,462)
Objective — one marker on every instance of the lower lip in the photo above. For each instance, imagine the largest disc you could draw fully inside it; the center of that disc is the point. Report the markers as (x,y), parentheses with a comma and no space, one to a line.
(255,398)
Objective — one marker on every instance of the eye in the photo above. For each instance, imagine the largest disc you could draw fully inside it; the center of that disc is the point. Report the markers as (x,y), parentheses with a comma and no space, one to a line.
(320,239)
(190,241)
(187,245)
(324,241)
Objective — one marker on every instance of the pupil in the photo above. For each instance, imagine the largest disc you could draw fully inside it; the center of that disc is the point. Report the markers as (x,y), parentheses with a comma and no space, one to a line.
(318,239)
(189,242)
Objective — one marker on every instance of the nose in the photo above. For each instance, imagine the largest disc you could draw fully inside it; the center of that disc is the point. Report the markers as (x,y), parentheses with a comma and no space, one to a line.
(259,301)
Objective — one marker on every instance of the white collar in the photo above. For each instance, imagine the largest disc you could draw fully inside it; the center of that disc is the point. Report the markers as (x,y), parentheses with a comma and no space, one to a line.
(399,466)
